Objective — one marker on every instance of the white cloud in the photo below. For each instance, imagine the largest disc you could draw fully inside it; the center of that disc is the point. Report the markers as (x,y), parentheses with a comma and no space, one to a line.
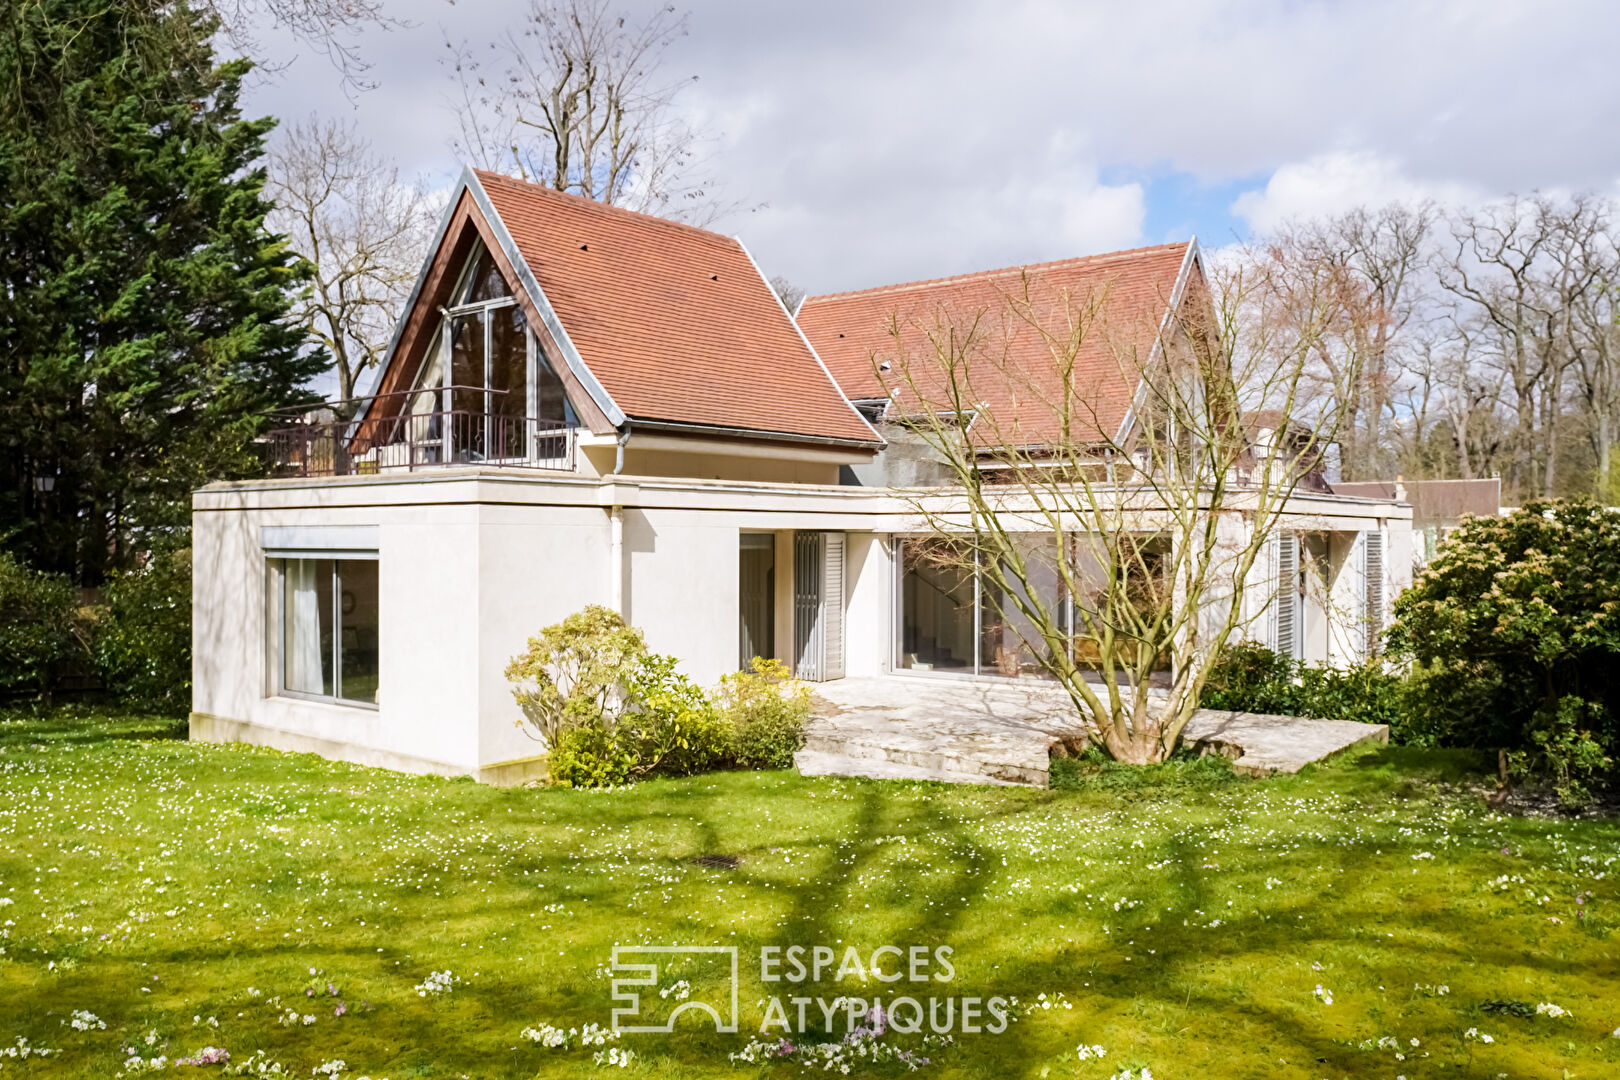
(1333,182)
(907,139)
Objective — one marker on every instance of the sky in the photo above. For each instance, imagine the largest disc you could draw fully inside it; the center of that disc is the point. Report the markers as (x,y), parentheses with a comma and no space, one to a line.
(890,140)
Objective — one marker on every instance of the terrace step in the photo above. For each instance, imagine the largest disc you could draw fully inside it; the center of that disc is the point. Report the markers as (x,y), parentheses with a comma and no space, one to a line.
(821,763)
(988,758)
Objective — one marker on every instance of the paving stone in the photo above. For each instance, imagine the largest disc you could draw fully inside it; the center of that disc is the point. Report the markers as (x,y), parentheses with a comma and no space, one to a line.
(978,731)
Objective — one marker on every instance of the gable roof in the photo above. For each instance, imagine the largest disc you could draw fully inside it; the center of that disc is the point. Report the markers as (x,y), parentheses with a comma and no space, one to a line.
(675,324)
(1133,293)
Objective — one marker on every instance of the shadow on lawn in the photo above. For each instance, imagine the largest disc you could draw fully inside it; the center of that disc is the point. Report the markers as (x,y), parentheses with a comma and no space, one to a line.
(36,723)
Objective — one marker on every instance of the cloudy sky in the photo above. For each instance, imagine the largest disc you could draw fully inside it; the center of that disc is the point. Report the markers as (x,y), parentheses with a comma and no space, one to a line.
(884,141)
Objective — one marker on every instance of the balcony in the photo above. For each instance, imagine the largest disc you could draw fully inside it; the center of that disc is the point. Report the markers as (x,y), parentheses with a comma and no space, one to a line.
(411,431)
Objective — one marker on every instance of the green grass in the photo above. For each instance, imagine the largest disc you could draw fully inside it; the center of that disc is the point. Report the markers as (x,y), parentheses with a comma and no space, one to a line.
(1186,918)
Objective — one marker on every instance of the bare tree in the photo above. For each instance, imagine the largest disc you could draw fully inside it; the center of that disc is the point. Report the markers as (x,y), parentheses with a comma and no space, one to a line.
(329,25)
(1521,269)
(1114,552)
(576,100)
(1382,255)
(365,231)
(790,294)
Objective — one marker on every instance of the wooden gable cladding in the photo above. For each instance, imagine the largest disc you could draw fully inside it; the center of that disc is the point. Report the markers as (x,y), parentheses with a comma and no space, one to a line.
(465,225)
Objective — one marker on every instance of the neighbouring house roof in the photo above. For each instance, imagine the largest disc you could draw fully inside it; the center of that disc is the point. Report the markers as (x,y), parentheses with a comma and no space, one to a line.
(676,323)
(1434,502)
(1013,375)
(648,322)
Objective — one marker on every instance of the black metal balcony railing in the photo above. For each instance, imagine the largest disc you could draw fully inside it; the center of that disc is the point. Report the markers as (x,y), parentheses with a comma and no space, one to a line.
(410,430)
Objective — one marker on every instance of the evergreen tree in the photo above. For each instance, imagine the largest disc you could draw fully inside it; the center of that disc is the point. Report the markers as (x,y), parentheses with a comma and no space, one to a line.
(143,303)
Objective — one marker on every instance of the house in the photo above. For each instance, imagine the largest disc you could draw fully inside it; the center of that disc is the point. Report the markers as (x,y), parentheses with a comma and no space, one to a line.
(1438,506)
(586,405)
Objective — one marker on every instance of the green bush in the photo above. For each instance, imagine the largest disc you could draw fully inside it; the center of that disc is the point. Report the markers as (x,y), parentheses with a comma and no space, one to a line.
(1252,678)
(673,727)
(590,755)
(574,673)
(1515,627)
(766,709)
(610,711)
(142,639)
(39,628)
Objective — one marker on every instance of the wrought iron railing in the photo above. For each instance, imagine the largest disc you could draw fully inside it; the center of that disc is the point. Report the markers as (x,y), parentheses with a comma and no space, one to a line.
(411,430)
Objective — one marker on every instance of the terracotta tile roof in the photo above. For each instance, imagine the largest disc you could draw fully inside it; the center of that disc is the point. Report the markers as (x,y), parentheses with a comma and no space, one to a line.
(1011,373)
(676,323)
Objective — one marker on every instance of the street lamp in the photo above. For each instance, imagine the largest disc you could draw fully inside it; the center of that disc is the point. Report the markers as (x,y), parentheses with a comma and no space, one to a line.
(45,484)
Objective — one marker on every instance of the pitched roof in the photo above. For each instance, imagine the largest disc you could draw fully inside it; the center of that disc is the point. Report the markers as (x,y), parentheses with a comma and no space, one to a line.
(676,323)
(1012,373)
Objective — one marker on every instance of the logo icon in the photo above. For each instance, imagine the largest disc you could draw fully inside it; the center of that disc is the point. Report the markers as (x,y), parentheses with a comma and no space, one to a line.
(640,966)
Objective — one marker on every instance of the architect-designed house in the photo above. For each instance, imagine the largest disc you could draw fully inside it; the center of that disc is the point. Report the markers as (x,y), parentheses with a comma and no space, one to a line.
(585,405)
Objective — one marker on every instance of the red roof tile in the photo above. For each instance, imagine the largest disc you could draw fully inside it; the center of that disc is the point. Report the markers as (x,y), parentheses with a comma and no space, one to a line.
(1012,374)
(676,323)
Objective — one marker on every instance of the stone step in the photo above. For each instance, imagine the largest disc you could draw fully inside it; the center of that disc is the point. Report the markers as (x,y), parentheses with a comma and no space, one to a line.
(820,763)
(1021,761)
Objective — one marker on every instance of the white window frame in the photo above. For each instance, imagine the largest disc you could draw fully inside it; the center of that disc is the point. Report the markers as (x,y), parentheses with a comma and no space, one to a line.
(276,625)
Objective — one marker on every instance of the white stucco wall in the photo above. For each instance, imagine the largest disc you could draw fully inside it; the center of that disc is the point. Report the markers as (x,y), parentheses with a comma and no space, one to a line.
(471,563)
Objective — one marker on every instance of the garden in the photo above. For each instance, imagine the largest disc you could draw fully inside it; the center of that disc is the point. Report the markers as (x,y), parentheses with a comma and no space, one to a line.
(1399,912)
(230,910)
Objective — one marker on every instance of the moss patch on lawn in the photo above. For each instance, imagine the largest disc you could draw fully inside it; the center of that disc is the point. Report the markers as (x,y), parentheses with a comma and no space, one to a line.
(1360,919)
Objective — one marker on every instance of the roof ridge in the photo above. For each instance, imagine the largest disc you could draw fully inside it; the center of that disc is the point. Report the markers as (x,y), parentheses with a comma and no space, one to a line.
(485,175)
(1002,271)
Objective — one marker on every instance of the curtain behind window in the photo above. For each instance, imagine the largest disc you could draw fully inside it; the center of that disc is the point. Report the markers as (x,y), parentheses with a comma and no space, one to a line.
(308,619)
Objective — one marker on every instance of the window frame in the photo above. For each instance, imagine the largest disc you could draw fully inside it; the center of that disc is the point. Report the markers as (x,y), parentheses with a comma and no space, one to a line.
(276,631)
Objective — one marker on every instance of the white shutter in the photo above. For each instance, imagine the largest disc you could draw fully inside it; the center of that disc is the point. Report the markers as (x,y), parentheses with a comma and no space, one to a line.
(832,608)
(1372,568)
(1285,638)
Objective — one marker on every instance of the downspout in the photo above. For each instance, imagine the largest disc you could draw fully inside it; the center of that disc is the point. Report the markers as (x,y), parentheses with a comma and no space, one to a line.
(616,531)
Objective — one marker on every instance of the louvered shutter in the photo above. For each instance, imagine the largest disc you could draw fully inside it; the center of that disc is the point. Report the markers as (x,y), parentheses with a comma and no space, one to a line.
(1372,564)
(1285,636)
(832,608)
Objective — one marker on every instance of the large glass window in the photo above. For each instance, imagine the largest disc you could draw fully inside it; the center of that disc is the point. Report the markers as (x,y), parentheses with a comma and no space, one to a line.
(329,629)
(507,402)
(1009,640)
(952,617)
(936,608)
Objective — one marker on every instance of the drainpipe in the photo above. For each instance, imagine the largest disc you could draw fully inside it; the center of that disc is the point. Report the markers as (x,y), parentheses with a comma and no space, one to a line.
(616,531)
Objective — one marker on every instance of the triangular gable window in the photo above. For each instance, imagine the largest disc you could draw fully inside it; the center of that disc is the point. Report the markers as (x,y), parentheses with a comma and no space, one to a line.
(486,391)
(484,281)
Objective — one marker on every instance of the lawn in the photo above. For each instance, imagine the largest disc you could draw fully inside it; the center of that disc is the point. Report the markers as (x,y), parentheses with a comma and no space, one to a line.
(1361,920)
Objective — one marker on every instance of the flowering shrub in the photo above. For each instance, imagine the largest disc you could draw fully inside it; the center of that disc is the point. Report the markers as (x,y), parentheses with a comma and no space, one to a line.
(573,673)
(767,709)
(1516,625)
(608,710)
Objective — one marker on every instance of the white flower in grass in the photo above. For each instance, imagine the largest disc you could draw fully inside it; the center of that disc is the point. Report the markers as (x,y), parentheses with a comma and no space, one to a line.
(1325,994)
(1547,1008)
(87,1021)
(1086,1053)
(1476,1035)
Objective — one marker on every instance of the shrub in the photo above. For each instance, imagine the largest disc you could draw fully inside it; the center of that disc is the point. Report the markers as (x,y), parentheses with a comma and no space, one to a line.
(590,755)
(574,673)
(1516,626)
(1252,678)
(673,728)
(766,709)
(142,640)
(38,626)
(608,710)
